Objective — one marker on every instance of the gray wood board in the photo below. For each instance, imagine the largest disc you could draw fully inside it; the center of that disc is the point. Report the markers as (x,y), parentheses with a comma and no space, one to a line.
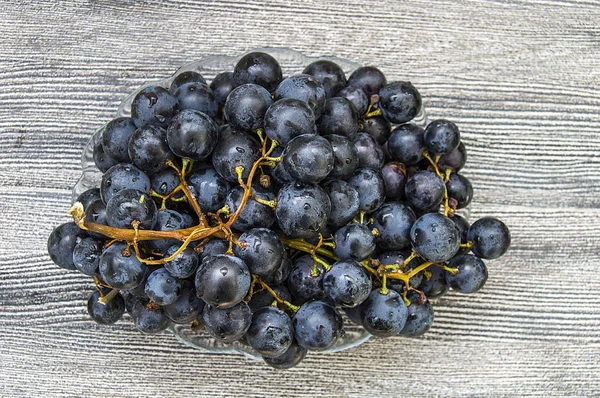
(520,78)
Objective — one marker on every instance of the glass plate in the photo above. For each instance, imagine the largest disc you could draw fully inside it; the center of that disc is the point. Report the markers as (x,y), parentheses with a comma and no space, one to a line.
(292,62)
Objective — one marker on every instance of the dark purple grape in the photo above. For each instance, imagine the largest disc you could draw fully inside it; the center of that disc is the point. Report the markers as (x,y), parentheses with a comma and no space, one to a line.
(441,137)
(115,138)
(246,106)
(187,307)
(357,97)
(148,318)
(378,128)
(120,268)
(304,88)
(436,285)
(308,158)
(354,242)
(460,189)
(367,78)
(399,102)
(317,325)
(420,316)
(288,118)
(210,189)
(62,242)
(123,176)
(105,314)
(221,86)
(384,315)
(302,210)
(463,229)
(393,221)
(261,250)
(329,74)
(162,288)
(192,134)
(424,190)
(198,97)
(258,68)
(406,144)
(184,78)
(154,106)
(369,185)
(394,180)
(227,324)
(164,182)
(222,281)
(86,256)
(435,237)
(454,160)
(345,157)
(271,332)
(185,264)
(254,214)
(235,149)
(101,159)
(148,149)
(344,202)
(347,283)
(290,358)
(87,197)
(490,237)
(471,276)
(369,152)
(214,247)
(302,283)
(129,205)
(339,117)
(263,298)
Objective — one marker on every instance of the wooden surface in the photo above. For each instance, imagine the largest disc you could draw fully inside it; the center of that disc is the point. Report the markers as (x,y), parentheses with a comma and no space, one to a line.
(521,78)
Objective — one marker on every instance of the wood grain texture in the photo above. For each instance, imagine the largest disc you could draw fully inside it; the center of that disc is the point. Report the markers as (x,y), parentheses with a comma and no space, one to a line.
(522,80)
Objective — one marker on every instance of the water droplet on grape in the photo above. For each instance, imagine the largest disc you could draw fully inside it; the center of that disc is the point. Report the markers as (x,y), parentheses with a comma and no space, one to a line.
(240,149)
(224,271)
(160,118)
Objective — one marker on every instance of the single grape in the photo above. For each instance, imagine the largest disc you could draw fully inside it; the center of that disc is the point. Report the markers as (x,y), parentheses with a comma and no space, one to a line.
(155,106)
(164,182)
(185,264)
(115,138)
(254,214)
(246,106)
(162,287)
(120,268)
(101,159)
(130,205)
(305,88)
(344,202)
(290,358)
(283,271)
(394,180)
(424,190)
(106,314)
(258,68)
(199,97)
(370,153)
(192,134)
(187,307)
(288,118)
(435,285)
(383,315)
(213,247)
(221,86)
(227,324)
(232,150)
(317,325)
(347,283)
(339,117)
(460,189)
(88,196)
(210,189)
(261,250)
(86,256)
(369,185)
(62,242)
(454,160)
(123,176)
(399,102)
(329,74)
(302,283)
(406,144)
(354,241)
(308,158)
(222,281)
(302,210)
(367,78)
(471,276)
(186,77)
(490,237)
(357,97)
(378,128)
(271,332)
(345,157)
(149,318)
(393,221)
(148,149)
(441,137)
(420,316)
(435,237)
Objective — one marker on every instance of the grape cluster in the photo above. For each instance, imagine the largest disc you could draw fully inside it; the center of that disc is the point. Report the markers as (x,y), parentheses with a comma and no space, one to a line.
(259,207)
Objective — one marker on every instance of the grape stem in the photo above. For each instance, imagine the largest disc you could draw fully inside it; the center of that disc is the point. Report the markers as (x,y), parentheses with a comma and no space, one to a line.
(286,304)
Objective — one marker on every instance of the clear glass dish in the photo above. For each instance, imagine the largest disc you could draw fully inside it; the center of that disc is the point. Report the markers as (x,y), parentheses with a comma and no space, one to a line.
(292,62)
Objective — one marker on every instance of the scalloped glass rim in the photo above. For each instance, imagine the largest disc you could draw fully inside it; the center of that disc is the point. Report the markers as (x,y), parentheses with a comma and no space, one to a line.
(292,62)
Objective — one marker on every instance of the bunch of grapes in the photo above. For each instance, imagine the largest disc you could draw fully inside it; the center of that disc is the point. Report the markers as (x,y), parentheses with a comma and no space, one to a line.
(258,208)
